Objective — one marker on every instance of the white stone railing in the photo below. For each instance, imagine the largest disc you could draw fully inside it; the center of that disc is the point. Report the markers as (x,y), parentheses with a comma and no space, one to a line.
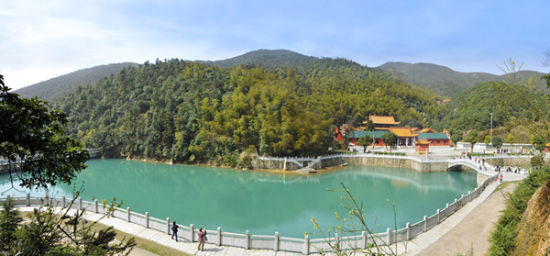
(266,242)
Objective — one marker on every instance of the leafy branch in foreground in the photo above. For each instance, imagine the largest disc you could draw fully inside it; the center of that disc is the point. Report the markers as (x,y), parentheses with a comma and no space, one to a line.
(57,231)
(354,223)
(33,141)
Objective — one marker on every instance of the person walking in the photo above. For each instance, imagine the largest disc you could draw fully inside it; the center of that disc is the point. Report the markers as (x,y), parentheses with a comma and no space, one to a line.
(501,178)
(174,230)
(202,238)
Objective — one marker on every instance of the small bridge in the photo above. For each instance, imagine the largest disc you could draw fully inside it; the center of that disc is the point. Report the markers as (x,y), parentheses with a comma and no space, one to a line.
(478,167)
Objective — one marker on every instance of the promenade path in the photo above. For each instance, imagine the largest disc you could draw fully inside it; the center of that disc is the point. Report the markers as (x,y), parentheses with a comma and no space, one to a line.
(471,237)
(413,247)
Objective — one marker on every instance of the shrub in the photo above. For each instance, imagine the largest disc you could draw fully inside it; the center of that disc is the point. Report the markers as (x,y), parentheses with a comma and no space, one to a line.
(503,238)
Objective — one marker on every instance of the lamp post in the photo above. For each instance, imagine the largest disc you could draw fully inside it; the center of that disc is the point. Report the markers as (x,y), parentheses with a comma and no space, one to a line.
(491,129)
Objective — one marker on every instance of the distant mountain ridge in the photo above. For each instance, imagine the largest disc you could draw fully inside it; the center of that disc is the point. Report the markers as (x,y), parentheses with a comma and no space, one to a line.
(439,79)
(54,88)
(447,82)
(267,58)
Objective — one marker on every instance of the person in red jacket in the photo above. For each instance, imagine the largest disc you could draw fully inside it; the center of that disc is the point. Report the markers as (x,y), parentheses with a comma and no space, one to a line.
(202,238)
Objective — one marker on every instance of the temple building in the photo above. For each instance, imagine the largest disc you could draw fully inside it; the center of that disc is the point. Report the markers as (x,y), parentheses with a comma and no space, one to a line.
(382,122)
(406,136)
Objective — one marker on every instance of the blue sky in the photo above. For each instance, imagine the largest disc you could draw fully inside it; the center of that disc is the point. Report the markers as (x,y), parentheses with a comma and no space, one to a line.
(39,41)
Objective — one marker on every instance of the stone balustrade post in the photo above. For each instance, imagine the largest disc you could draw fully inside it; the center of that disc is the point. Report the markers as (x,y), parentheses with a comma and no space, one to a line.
(96,206)
(168,225)
(128,213)
(247,239)
(364,239)
(425,223)
(219,235)
(147,219)
(28,199)
(408,231)
(306,245)
(80,203)
(192,233)
(438,216)
(47,200)
(337,240)
(64,201)
(276,242)
(388,231)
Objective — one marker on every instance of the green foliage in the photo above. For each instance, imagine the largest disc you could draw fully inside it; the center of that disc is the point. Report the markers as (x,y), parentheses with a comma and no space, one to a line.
(55,88)
(444,81)
(497,142)
(29,131)
(9,222)
(487,140)
(187,111)
(503,238)
(538,142)
(365,141)
(472,108)
(537,161)
(472,139)
(390,139)
(47,233)
(456,137)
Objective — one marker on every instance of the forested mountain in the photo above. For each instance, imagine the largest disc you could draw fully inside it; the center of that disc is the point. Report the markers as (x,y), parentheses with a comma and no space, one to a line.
(54,88)
(447,82)
(267,58)
(471,109)
(188,111)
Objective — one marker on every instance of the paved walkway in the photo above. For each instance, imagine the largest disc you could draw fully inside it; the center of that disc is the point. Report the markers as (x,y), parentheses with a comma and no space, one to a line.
(421,244)
(471,237)
(413,247)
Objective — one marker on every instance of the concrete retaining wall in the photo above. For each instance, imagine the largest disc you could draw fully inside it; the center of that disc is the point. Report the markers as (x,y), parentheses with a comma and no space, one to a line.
(433,166)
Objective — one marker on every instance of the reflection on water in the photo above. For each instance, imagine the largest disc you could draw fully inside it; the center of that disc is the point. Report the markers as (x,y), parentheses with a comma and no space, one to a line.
(265,202)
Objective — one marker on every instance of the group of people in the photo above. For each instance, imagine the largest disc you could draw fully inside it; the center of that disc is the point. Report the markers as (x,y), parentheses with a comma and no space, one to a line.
(201,234)
(508,169)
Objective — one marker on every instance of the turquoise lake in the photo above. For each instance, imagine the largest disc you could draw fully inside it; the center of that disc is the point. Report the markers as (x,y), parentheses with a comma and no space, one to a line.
(265,202)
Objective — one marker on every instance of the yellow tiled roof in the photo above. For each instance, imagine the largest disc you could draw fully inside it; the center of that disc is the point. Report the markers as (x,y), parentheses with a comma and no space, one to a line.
(426,130)
(422,141)
(383,119)
(402,131)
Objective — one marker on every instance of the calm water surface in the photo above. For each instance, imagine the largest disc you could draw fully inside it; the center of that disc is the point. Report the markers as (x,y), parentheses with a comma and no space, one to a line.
(264,202)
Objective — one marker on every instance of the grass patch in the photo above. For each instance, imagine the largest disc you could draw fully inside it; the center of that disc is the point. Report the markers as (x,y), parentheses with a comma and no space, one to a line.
(504,185)
(144,243)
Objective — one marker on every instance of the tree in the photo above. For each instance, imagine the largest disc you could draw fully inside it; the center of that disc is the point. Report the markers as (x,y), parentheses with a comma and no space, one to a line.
(390,139)
(370,127)
(510,138)
(539,144)
(497,143)
(364,141)
(472,139)
(32,139)
(9,221)
(487,140)
(456,137)
(537,161)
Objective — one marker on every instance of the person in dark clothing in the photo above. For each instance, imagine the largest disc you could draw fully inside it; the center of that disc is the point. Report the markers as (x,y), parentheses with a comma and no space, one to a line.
(174,230)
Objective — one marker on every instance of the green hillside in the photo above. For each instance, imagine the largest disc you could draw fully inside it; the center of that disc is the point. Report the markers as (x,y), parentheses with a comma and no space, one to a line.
(55,88)
(188,111)
(471,109)
(447,82)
